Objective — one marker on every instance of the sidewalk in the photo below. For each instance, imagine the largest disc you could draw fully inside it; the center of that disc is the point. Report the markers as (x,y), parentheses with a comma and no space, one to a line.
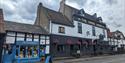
(64,60)
(87,56)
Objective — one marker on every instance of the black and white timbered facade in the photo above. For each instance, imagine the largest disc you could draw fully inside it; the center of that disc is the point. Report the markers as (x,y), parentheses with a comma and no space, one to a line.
(116,41)
(22,43)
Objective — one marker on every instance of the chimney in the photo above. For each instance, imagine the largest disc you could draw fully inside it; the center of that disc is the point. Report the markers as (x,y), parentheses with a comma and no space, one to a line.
(100,19)
(95,15)
(2,30)
(62,6)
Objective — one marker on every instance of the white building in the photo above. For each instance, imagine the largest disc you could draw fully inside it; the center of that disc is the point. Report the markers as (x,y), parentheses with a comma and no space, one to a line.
(72,29)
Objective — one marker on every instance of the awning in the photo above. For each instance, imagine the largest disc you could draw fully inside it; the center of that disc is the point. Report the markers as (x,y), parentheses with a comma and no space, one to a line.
(69,42)
(78,42)
(55,41)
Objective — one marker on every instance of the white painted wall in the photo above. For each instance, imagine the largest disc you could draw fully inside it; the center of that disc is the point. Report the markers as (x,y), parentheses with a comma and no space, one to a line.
(73,31)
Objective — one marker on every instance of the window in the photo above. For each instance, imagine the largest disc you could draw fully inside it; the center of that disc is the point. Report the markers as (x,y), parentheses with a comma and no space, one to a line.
(84,20)
(26,51)
(79,27)
(60,48)
(104,32)
(20,37)
(92,23)
(36,37)
(61,30)
(87,33)
(42,40)
(29,37)
(10,37)
(93,31)
(47,40)
(82,12)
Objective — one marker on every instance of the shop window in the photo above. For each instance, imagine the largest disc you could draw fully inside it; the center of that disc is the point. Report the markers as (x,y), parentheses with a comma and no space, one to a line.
(60,48)
(17,50)
(61,30)
(47,49)
(42,50)
(35,51)
(22,52)
(26,52)
(80,28)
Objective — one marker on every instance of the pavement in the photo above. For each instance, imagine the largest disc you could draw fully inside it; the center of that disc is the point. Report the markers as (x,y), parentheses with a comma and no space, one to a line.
(100,59)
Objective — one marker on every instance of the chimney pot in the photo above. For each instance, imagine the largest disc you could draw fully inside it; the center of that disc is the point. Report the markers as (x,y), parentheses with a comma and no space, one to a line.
(40,4)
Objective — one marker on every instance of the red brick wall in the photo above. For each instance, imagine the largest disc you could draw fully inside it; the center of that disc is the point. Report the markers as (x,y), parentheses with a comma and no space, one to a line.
(2,30)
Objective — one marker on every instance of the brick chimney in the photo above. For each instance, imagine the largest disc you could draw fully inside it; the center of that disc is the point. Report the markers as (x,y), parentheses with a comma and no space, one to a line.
(2,30)
(62,8)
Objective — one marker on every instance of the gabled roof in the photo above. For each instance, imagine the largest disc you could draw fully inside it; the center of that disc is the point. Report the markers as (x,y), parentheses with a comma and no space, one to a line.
(116,34)
(21,27)
(91,18)
(57,17)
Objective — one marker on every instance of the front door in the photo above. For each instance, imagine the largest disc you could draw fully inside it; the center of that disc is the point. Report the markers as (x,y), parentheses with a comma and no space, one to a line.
(74,49)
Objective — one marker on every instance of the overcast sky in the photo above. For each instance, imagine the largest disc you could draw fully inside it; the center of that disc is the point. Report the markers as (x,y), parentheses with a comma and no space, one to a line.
(24,11)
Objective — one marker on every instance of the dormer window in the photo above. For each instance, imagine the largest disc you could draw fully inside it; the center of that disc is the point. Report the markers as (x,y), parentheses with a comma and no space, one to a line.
(100,19)
(81,12)
(79,19)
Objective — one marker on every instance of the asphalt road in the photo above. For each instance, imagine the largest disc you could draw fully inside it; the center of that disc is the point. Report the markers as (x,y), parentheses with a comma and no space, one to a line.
(103,59)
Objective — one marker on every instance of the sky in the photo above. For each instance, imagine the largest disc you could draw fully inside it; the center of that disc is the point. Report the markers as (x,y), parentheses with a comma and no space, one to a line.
(24,11)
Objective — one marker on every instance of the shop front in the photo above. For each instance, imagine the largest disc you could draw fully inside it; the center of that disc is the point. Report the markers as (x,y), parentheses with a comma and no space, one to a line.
(25,48)
(65,46)
(27,52)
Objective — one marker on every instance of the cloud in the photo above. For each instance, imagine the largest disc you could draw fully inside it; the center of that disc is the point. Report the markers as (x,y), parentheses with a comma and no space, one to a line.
(24,11)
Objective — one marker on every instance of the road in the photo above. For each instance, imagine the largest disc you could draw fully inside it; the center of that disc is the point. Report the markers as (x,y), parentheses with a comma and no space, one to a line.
(104,59)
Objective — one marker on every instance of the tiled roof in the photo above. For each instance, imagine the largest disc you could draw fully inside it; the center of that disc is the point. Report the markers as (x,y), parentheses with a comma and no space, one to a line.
(117,32)
(86,15)
(26,28)
(57,17)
